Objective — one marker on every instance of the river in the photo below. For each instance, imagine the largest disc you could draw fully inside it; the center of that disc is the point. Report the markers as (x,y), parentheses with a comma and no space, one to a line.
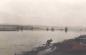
(16,42)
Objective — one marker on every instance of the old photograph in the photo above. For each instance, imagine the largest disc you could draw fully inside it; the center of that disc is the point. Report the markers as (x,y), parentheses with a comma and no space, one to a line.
(42,27)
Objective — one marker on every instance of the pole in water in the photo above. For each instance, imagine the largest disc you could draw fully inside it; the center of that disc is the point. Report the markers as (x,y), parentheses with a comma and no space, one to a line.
(66,29)
(52,29)
(47,29)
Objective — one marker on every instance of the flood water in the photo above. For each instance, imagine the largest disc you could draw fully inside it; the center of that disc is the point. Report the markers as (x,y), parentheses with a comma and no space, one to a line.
(16,42)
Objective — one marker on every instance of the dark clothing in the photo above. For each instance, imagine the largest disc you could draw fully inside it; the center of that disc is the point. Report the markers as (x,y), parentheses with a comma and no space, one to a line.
(48,42)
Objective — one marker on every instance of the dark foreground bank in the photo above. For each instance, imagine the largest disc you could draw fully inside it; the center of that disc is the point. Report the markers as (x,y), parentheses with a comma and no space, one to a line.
(75,46)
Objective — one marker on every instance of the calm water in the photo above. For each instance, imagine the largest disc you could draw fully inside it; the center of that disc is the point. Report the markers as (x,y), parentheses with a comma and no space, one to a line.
(16,42)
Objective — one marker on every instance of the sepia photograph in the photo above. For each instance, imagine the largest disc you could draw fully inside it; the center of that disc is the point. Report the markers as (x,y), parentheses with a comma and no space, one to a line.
(42,27)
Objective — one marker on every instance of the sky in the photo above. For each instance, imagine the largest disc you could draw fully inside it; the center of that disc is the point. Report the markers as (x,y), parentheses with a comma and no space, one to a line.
(43,12)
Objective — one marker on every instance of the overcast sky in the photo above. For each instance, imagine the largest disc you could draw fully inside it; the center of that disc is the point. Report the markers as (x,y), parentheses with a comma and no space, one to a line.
(43,12)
